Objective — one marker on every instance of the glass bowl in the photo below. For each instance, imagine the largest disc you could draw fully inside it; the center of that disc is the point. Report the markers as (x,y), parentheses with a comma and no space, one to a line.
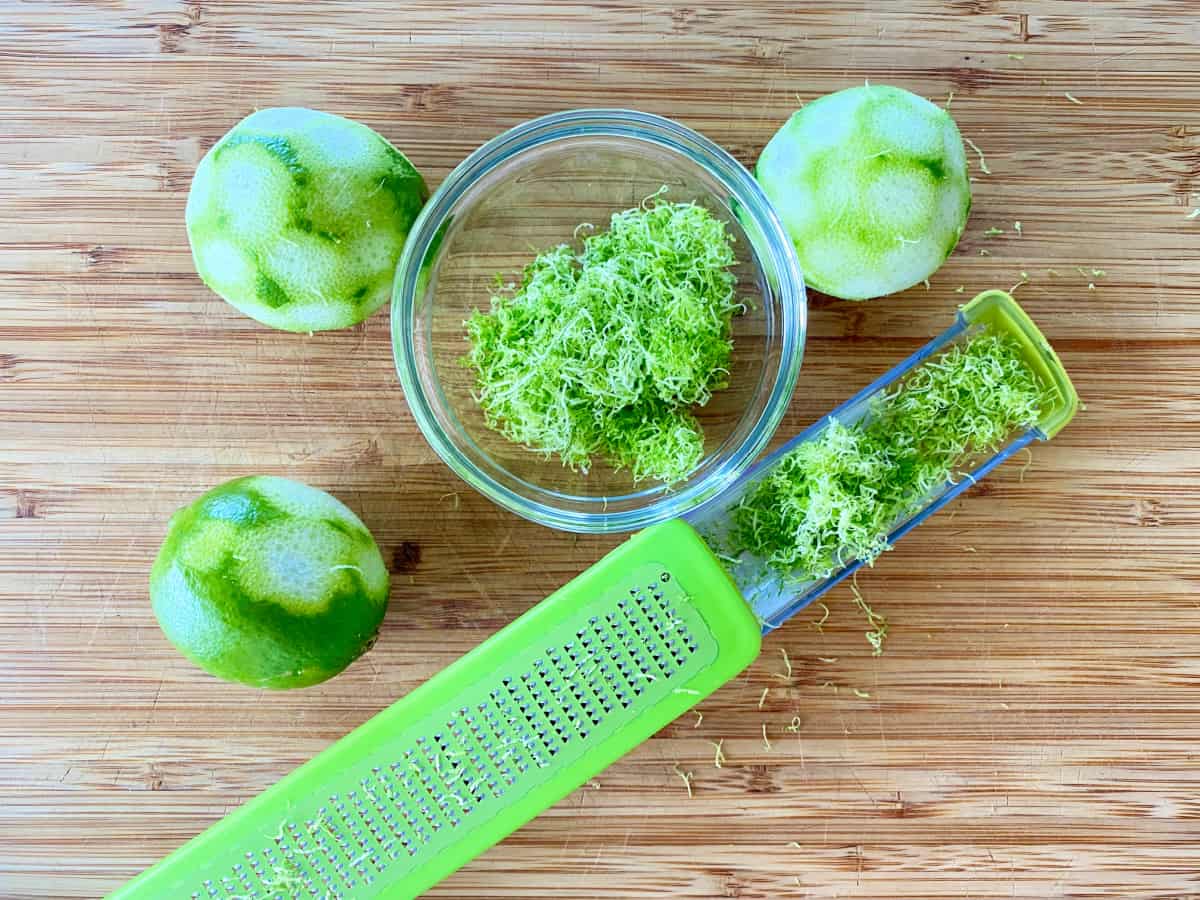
(528,190)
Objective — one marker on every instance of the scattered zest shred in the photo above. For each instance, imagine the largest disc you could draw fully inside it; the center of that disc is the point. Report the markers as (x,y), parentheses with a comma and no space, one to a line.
(687,779)
(719,759)
(787,675)
(983,166)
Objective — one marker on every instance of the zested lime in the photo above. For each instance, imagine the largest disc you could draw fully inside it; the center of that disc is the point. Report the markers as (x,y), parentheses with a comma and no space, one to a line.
(269,582)
(298,217)
(871,183)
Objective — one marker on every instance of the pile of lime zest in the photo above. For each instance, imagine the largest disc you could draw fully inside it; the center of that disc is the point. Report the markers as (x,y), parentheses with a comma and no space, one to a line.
(605,351)
(834,499)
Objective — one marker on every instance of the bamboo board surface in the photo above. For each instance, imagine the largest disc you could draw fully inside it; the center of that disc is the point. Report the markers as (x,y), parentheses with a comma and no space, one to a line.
(1032,729)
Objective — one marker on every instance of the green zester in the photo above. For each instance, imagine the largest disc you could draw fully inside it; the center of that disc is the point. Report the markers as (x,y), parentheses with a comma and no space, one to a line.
(489,742)
(545,704)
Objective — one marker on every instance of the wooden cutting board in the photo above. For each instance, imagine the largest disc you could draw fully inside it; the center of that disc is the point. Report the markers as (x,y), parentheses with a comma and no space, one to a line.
(1032,728)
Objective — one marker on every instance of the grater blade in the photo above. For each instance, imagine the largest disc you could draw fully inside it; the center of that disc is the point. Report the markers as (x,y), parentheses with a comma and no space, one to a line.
(488,743)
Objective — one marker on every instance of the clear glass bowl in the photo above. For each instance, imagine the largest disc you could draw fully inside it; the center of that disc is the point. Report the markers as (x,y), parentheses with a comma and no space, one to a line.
(527,190)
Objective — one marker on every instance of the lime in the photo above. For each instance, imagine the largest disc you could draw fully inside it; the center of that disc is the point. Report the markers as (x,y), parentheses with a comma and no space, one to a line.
(269,582)
(297,218)
(871,183)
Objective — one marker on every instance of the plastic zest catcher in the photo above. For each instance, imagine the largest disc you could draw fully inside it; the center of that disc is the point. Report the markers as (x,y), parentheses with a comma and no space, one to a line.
(541,707)
(776,599)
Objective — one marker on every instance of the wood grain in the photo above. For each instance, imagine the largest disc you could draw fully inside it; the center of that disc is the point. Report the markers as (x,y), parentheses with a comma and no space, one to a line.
(1031,730)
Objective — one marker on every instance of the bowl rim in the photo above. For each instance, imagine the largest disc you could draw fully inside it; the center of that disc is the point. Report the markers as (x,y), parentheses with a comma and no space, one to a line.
(424,237)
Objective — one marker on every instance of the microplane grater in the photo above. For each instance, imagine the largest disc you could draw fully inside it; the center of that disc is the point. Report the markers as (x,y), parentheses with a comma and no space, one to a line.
(521,721)
(512,727)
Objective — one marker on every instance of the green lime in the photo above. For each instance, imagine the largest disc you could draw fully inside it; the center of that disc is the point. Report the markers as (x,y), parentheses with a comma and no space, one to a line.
(871,183)
(269,582)
(297,218)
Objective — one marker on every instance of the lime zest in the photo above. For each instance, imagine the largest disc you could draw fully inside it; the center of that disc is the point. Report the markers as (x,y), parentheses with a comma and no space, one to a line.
(878,623)
(835,498)
(983,166)
(603,352)
(687,779)
(718,753)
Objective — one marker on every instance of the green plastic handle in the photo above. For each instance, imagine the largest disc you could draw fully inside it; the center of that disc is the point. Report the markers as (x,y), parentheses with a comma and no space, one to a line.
(494,739)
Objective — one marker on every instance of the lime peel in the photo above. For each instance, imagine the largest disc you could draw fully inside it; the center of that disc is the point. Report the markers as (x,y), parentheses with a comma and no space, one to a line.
(836,497)
(603,352)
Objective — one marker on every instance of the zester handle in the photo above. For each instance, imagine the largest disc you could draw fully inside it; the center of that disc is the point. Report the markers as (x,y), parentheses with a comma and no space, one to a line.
(491,741)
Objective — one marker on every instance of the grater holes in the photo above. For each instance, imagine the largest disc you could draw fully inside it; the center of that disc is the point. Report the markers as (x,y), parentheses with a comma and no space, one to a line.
(517,742)
(512,751)
(371,787)
(615,689)
(563,690)
(679,637)
(346,836)
(468,764)
(404,803)
(446,773)
(415,781)
(643,624)
(529,702)
(322,853)
(503,750)
(368,849)
(373,815)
